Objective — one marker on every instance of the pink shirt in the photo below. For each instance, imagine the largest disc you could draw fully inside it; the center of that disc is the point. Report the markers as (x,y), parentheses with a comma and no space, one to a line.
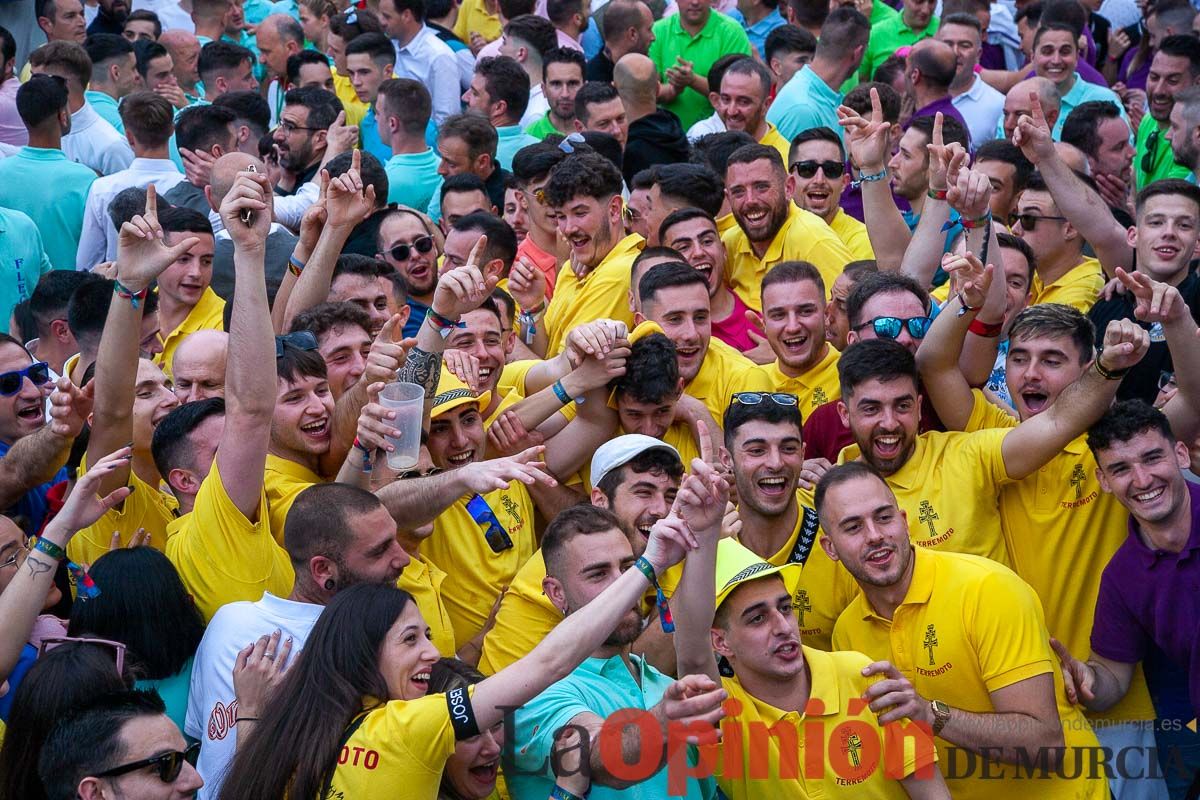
(492,48)
(12,129)
(735,329)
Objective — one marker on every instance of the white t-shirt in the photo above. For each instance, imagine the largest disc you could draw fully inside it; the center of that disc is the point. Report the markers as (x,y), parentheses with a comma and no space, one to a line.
(212,704)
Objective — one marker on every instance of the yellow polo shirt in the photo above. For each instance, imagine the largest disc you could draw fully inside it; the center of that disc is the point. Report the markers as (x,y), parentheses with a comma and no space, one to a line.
(948,489)
(603,293)
(222,557)
(458,547)
(725,224)
(473,16)
(968,627)
(853,234)
(814,388)
(526,615)
(825,587)
(1078,288)
(849,744)
(207,314)
(423,580)
(397,749)
(512,377)
(355,109)
(773,138)
(803,237)
(723,373)
(146,507)
(1061,509)
(283,481)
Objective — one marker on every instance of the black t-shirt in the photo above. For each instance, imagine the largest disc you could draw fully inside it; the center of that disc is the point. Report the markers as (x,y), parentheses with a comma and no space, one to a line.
(1142,381)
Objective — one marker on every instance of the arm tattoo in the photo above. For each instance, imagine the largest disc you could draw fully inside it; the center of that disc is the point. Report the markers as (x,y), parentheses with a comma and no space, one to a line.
(37,566)
(422,368)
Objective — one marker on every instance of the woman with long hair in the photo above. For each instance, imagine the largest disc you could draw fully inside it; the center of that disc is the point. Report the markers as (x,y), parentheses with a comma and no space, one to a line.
(354,716)
(64,678)
(471,772)
(143,604)
(314,19)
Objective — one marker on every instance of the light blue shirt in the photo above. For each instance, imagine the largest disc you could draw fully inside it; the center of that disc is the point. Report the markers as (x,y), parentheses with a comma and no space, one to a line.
(413,178)
(107,108)
(597,686)
(23,262)
(803,103)
(511,139)
(368,130)
(758,32)
(51,190)
(289,7)
(1083,92)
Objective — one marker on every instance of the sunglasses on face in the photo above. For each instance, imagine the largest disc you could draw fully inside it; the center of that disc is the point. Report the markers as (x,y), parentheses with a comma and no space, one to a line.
(890,327)
(422,244)
(1029,221)
(168,765)
(409,474)
(301,340)
(11,382)
(754,398)
(807,169)
(1150,157)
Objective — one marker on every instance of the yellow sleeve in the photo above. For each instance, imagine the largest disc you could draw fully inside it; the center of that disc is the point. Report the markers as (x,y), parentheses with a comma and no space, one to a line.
(1005,621)
(223,557)
(281,492)
(146,507)
(986,414)
(981,454)
(420,730)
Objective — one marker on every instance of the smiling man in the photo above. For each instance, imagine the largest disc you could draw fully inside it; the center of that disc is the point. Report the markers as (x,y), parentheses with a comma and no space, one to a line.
(817,165)
(793,301)
(1055,57)
(186,303)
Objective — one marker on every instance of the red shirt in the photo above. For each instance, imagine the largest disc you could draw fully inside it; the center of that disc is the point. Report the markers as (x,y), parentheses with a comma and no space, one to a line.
(546,262)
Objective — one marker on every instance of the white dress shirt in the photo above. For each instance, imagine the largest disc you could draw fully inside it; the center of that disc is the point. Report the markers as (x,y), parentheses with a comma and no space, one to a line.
(169,14)
(537,108)
(704,127)
(98,242)
(429,60)
(982,107)
(95,143)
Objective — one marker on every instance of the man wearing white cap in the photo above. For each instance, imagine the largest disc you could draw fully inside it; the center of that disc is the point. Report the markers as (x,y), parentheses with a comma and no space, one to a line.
(733,603)
(636,478)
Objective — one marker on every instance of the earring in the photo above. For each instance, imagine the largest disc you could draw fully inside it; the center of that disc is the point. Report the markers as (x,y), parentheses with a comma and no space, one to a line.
(329,584)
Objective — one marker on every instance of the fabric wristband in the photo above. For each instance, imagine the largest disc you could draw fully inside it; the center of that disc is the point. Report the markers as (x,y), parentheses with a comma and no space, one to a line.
(664,611)
(559,793)
(49,548)
(989,330)
(1109,374)
(937,194)
(877,176)
(295,265)
(129,294)
(561,393)
(462,715)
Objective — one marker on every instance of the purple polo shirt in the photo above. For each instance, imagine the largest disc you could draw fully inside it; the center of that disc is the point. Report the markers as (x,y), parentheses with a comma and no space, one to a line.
(1153,596)
(944,105)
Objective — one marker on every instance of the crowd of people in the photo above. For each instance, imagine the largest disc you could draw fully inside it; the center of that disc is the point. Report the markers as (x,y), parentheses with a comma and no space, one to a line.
(810,399)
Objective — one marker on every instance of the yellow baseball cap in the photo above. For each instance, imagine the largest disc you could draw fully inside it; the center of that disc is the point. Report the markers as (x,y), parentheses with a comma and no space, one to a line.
(736,565)
(645,329)
(452,393)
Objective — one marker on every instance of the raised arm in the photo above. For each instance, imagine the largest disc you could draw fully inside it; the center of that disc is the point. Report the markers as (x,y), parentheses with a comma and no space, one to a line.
(1082,207)
(250,374)
(971,197)
(924,252)
(311,225)
(693,604)
(1030,445)
(868,143)
(142,255)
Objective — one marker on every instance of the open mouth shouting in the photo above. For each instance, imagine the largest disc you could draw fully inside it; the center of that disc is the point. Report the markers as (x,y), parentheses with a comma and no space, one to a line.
(317,430)
(485,774)
(31,414)
(1035,400)
(887,446)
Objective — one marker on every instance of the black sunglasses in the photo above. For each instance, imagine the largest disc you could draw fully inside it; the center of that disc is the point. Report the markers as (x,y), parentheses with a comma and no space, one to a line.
(301,340)
(754,398)
(167,765)
(11,382)
(1150,157)
(890,327)
(422,244)
(807,169)
(1029,221)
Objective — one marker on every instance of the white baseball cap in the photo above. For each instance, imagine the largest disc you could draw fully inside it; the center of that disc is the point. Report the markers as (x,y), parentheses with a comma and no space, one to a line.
(620,451)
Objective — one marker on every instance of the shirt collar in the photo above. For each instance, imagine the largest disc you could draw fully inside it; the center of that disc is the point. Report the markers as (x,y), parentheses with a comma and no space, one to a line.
(291,469)
(1150,557)
(42,153)
(163,166)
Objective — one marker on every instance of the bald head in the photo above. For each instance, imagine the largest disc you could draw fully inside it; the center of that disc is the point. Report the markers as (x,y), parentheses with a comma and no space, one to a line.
(636,79)
(1018,102)
(198,366)
(225,171)
(936,62)
(184,49)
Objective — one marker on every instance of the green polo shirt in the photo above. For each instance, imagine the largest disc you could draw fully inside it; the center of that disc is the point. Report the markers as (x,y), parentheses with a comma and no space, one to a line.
(107,108)
(23,261)
(881,12)
(542,128)
(1155,153)
(889,36)
(720,36)
(51,190)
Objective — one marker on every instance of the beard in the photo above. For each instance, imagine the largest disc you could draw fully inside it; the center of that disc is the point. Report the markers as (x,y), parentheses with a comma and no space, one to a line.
(627,631)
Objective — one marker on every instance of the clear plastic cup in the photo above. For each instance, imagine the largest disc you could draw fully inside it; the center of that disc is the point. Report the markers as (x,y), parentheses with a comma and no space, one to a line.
(408,401)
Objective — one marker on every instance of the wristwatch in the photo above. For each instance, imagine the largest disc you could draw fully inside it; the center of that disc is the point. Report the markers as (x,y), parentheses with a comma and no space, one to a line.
(941,715)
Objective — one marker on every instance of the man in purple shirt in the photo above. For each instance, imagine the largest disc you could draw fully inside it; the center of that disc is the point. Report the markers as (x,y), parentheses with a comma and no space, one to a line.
(1150,590)
(930,69)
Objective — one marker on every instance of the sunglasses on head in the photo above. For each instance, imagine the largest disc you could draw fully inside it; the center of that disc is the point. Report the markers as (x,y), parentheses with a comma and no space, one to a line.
(807,169)
(118,648)
(754,398)
(422,244)
(1029,221)
(168,765)
(890,327)
(301,340)
(11,382)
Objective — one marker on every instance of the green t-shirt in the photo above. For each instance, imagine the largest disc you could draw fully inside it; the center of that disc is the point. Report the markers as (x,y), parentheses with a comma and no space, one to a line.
(720,36)
(542,128)
(1154,151)
(889,36)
